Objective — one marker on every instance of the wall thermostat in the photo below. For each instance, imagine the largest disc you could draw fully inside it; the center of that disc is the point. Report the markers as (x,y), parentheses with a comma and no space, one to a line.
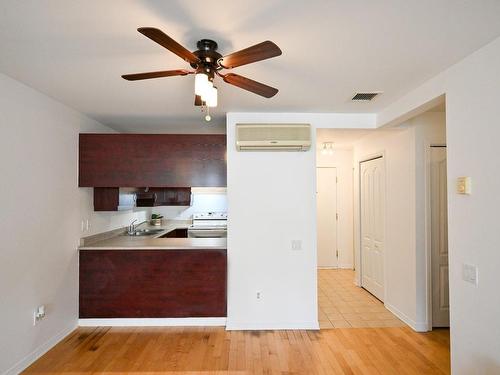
(463,185)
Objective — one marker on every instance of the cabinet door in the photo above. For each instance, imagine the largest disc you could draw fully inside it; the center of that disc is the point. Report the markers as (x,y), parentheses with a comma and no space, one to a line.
(164,197)
(177,197)
(160,160)
(106,199)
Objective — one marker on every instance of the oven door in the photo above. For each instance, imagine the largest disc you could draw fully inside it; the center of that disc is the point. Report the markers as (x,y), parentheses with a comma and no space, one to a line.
(207,233)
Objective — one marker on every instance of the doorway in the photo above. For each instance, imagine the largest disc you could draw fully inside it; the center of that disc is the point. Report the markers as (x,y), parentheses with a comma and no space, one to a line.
(439,238)
(326,201)
(342,303)
(372,204)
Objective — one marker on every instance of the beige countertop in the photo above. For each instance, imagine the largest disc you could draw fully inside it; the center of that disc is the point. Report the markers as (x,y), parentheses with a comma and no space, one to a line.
(119,240)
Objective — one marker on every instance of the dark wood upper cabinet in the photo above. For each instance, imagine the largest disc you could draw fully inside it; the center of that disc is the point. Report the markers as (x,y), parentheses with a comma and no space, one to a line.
(106,198)
(152,160)
(164,197)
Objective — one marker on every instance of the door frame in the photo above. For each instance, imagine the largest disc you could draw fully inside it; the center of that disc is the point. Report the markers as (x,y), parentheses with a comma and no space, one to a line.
(357,221)
(336,223)
(428,231)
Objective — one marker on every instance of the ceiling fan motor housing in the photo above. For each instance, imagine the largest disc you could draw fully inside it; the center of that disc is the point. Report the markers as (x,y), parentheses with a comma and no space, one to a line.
(207,53)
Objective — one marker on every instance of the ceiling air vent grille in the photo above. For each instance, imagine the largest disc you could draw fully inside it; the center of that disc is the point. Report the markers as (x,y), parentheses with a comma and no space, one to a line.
(364,96)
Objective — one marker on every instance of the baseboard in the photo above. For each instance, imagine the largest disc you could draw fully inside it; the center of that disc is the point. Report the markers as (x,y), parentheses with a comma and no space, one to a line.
(416,326)
(339,267)
(38,352)
(153,322)
(346,266)
(270,326)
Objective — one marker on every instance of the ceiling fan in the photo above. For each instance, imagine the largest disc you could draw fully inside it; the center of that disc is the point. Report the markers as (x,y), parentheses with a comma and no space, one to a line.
(206,63)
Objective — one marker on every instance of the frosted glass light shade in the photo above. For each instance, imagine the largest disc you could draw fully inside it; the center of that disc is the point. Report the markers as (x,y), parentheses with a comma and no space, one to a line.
(200,83)
(206,91)
(211,97)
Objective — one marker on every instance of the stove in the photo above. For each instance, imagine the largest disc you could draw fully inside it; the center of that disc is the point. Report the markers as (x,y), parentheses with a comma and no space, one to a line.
(208,225)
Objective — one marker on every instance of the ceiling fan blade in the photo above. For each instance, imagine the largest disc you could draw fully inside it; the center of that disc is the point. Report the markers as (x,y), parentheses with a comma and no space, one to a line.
(164,40)
(197,100)
(250,85)
(261,51)
(164,73)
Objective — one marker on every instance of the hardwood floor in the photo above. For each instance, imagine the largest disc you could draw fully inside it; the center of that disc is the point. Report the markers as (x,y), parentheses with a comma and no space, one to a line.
(161,350)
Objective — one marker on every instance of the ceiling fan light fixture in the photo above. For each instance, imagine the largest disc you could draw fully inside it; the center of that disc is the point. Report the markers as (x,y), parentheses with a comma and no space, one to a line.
(200,83)
(206,63)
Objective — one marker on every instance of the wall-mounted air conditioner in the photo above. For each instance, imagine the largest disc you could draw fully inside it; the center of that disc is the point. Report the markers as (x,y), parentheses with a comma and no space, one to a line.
(273,137)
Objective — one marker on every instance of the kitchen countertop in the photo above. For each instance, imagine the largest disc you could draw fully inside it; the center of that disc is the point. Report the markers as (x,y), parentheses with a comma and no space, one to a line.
(121,241)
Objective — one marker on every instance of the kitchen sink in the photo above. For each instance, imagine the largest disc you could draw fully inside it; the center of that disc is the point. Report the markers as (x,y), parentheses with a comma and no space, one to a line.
(146,232)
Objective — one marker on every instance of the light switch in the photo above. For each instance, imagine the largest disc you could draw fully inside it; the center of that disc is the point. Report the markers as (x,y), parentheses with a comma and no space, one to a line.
(463,185)
(469,273)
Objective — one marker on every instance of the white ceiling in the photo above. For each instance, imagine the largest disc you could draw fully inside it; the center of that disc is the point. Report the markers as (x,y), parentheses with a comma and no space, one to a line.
(75,51)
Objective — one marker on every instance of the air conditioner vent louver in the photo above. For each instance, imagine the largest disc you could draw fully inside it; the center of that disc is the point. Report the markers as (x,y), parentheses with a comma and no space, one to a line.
(273,137)
(364,96)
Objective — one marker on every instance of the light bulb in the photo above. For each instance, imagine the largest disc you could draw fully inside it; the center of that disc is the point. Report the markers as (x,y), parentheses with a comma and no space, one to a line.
(327,148)
(211,97)
(208,118)
(200,83)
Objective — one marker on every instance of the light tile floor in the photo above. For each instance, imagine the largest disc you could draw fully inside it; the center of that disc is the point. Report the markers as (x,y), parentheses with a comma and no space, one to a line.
(342,304)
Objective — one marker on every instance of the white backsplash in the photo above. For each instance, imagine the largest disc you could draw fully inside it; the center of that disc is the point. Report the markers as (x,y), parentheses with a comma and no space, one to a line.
(104,221)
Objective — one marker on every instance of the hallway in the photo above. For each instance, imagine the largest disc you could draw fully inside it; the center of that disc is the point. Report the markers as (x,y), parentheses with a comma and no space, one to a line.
(344,305)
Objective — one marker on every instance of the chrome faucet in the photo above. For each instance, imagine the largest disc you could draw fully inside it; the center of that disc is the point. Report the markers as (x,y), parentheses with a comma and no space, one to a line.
(132,228)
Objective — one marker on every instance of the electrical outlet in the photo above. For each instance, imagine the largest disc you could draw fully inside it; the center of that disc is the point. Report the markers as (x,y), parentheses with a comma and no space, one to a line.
(38,314)
(258,295)
(83,226)
(296,245)
(87,225)
(469,273)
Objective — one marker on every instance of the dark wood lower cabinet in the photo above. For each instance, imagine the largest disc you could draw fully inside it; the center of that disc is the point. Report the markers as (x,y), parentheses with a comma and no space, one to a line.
(152,283)
(176,233)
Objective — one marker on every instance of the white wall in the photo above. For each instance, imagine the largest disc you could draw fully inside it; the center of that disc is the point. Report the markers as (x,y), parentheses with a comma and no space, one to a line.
(472,117)
(271,202)
(405,154)
(396,146)
(39,217)
(342,160)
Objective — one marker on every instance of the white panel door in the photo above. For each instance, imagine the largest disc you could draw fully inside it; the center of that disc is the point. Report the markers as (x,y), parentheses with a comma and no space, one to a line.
(439,239)
(372,205)
(326,201)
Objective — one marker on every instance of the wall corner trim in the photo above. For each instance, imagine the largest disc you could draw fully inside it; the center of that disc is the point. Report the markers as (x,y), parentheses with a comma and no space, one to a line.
(416,326)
